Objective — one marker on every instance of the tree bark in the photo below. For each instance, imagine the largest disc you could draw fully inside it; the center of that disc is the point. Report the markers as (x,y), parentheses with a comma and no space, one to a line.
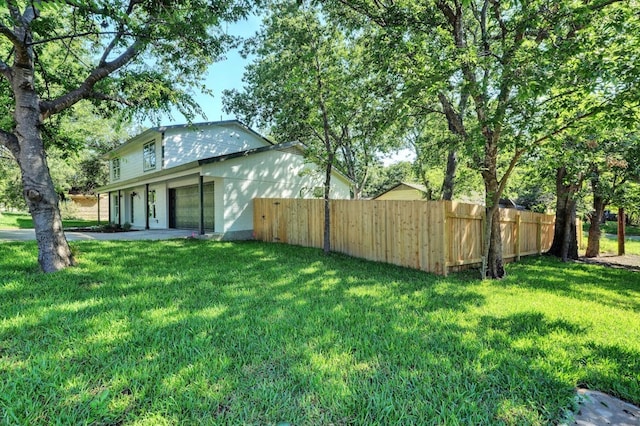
(493,264)
(326,236)
(565,239)
(593,243)
(621,231)
(450,176)
(53,250)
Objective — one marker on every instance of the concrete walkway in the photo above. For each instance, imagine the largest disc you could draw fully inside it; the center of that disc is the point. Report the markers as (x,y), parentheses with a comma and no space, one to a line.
(626,237)
(152,234)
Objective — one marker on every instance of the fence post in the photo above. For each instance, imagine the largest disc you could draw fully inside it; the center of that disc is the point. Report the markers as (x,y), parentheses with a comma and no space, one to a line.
(539,235)
(517,237)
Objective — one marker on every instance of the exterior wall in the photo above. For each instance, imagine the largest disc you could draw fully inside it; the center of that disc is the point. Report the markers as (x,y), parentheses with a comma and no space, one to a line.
(186,145)
(268,174)
(272,173)
(131,159)
(402,193)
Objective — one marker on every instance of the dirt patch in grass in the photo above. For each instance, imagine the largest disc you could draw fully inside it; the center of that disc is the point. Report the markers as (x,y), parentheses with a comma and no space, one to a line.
(628,261)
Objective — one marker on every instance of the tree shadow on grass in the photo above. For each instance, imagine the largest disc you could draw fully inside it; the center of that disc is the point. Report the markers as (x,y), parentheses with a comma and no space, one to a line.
(192,331)
(614,287)
(611,369)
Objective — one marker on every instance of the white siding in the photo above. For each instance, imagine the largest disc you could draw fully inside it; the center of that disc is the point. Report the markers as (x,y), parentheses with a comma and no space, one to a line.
(131,159)
(183,145)
(268,174)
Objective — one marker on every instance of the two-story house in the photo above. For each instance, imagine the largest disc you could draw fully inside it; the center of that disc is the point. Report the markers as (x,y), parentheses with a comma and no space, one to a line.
(205,176)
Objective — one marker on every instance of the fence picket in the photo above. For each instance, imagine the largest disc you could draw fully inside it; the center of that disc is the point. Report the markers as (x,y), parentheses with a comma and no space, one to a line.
(434,236)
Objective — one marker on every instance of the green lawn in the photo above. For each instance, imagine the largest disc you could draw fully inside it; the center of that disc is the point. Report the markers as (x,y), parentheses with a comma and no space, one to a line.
(611,227)
(190,331)
(609,244)
(24,221)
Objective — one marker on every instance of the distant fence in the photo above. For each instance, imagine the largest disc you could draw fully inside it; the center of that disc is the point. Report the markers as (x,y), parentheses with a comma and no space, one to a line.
(86,207)
(435,236)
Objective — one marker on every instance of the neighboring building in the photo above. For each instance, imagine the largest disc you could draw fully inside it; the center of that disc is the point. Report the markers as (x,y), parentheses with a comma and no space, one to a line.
(404,191)
(205,176)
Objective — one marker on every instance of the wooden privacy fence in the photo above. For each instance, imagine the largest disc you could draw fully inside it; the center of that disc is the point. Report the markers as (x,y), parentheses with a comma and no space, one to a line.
(435,236)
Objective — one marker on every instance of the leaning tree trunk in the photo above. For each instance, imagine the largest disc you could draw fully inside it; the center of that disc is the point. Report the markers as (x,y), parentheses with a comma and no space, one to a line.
(565,239)
(593,243)
(326,235)
(53,250)
(450,176)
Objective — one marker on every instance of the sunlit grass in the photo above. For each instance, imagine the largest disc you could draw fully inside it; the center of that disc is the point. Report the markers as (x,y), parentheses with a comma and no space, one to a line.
(611,227)
(24,221)
(609,245)
(192,332)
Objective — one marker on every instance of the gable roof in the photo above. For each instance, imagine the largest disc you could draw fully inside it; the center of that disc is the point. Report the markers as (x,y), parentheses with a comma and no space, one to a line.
(286,146)
(295,147)
(189,127)
(416,186)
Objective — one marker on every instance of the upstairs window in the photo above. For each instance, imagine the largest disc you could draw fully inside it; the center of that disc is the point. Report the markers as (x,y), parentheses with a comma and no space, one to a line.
(149,156)
(115,169)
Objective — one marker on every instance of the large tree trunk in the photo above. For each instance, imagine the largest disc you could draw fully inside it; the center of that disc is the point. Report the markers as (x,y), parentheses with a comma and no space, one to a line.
(53,250)
(493,264)
(593,244)
(565,239)
(450,175)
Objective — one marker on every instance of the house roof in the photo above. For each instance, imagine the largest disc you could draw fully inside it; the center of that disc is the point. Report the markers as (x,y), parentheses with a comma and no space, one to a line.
(191,126)
(416,186)
(287,146)
(292,146)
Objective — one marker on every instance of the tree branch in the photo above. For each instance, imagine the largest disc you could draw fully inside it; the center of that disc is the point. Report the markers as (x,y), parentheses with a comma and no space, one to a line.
(72,36)
(5,70)
(10,35)
(10,141)
(104,97)
(48,108)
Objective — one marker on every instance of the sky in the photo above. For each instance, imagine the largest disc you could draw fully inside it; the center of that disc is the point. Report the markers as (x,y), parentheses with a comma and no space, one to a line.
(223,75)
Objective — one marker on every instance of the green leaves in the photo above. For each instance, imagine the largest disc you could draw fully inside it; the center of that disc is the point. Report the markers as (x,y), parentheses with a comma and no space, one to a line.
(310,82)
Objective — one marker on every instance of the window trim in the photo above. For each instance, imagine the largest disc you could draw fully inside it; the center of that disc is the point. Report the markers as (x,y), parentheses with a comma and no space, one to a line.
(115,168)
(149,156)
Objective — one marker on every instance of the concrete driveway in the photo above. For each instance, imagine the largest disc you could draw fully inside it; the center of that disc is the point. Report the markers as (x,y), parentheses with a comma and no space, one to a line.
(152,234)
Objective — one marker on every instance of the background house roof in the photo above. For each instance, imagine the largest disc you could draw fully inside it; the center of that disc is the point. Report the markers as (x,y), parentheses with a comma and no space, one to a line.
(416,186)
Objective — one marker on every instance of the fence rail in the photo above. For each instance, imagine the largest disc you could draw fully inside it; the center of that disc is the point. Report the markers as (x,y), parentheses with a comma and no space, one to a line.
(435,236)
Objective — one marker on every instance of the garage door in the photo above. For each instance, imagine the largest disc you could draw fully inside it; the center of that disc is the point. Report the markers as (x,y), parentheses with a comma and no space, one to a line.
(184,207)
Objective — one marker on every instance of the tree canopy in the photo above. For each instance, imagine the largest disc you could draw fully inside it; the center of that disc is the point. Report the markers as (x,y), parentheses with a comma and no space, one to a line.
(528,70)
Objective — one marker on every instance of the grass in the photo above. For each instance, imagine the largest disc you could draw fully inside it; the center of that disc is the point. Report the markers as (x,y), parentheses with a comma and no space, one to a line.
(611,227)
(189,331)
(24,221)
(609,244)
